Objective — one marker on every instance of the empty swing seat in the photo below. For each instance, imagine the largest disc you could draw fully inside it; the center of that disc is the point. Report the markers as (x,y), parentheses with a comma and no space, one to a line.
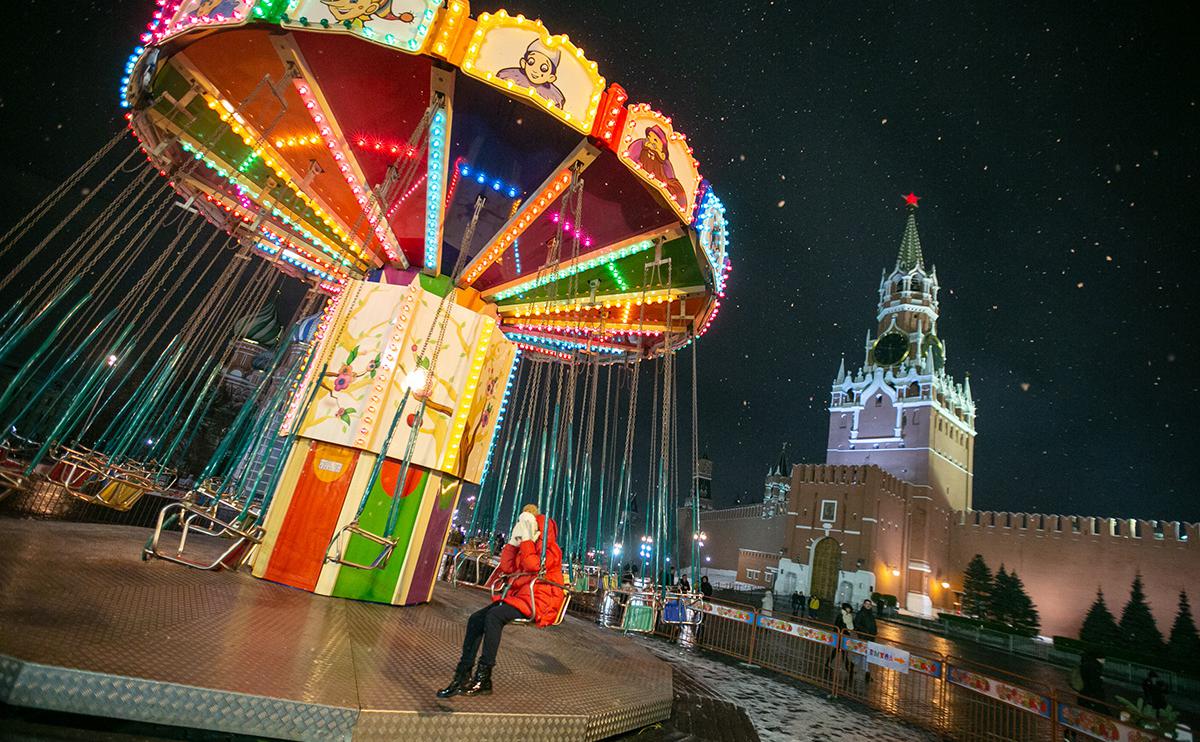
(683,610)
(243,536)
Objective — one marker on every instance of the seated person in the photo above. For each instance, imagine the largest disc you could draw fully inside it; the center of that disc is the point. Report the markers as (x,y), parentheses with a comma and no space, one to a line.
(522,553)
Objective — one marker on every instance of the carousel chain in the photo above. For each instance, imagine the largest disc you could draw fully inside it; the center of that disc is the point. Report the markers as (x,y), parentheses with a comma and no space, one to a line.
(116,270)
(18,231)
(75,211)
(82,262)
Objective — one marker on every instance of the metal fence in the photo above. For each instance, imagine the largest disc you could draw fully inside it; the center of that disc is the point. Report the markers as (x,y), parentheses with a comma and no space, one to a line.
(949,696)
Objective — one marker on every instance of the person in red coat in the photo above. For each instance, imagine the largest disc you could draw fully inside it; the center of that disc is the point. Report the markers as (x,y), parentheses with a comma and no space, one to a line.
(528,596)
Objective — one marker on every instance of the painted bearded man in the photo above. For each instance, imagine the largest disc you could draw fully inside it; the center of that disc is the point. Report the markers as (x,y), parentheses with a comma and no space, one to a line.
(650,153)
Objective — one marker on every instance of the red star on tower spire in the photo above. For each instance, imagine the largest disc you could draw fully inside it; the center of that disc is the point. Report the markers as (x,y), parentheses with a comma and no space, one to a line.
(911,199)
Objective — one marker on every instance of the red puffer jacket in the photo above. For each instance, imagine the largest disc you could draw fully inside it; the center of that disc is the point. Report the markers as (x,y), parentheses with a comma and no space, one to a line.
(528,558)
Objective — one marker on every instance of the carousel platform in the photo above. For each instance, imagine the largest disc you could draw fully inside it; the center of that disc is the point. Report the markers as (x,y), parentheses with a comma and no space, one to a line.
(87,628)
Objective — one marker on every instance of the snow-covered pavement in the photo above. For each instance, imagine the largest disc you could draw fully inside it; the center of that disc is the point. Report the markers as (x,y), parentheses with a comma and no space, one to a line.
(783,711)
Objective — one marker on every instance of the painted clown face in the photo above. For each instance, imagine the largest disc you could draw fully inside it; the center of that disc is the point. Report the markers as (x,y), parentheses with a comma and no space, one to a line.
(346,10)
(538,68)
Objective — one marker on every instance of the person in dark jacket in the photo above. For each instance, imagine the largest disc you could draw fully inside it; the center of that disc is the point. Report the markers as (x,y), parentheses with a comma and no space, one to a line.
(1154,691)
(864,626)
(1091,668)
(706,587)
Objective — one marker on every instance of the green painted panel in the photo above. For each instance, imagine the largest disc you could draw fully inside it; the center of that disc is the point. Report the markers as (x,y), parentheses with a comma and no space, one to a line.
(379,585)
(685,271)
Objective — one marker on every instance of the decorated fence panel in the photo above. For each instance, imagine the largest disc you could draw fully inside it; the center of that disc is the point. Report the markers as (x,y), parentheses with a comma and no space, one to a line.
(987,706)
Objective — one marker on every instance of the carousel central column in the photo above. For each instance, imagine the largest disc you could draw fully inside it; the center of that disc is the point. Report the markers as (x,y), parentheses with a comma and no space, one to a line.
(387,350)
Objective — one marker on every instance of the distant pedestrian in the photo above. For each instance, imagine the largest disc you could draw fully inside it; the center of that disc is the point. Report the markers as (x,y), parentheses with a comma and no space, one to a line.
(768,603)
(1091,683)
(844,620)
(865,627)
(1154,692)
(706,586)
(814,607)
(803,606)
(797,603)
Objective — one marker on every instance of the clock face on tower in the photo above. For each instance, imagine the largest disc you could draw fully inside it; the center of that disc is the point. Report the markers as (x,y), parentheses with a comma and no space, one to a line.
(891,349)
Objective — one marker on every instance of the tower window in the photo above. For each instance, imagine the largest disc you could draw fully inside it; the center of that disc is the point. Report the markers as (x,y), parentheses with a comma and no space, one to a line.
(878,400)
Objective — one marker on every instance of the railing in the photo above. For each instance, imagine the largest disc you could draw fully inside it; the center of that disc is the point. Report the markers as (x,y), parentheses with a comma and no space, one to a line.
(951,697)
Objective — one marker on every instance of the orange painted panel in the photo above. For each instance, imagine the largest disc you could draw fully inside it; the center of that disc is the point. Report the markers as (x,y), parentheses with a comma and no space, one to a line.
(312,516)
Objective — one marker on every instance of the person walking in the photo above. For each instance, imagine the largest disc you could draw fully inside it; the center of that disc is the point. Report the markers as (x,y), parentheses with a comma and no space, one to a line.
(844,620)
(521,559)
(768,602)
(814,607)
(1154,691)
(797,602)
(803,612)
(1091,690)
(866,629)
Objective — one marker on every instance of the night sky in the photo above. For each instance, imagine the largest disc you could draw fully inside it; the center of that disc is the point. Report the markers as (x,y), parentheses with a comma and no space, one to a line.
(1055,150)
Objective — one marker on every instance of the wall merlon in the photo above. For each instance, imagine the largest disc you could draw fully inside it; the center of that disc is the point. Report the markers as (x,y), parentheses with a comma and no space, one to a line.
(1082,526)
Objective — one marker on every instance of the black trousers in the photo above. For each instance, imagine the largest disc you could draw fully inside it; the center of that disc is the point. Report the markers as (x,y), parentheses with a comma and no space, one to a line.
(485,626)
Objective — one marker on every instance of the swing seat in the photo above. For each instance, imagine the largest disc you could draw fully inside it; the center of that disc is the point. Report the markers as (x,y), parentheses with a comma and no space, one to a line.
(477,559)
(502,583)
(13,479)
(683,610)
(629,610)
(118,495)
(639,618)
(341,540)
(197,518)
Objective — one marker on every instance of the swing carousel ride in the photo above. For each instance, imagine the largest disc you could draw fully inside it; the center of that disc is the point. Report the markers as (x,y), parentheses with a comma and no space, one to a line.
(479,221)
(457,194)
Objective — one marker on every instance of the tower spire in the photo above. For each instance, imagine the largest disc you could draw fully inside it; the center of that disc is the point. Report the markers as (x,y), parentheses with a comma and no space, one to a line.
(910,245)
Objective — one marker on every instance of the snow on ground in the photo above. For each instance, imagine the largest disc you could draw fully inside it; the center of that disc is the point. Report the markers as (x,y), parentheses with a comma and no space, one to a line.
(783,711)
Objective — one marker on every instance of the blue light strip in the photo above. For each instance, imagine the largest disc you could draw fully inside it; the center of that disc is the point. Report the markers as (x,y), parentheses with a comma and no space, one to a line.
(435,189)
(712,224)
(495,184)
(129,65)
(512,376)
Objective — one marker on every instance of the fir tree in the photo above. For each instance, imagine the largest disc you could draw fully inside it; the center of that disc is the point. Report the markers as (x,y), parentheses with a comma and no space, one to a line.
(977,587)
(1099,626)
(1025,617)
(1184,645)
(1138,629)
(1003,598)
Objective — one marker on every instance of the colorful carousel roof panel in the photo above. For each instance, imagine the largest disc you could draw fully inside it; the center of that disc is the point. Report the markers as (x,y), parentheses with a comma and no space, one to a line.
(339,137)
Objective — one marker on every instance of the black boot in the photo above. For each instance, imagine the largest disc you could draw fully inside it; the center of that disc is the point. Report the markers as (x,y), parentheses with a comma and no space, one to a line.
(481,684)
(461,674)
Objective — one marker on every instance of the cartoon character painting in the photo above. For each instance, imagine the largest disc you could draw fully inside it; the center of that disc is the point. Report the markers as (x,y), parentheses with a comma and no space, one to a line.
(537,69)
(358,12)
(650,153)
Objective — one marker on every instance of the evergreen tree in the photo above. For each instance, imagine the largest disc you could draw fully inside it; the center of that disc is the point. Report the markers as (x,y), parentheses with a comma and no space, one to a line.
(977,587)
(1184,645)
(1099,626)
(1002,599)
(1025,617)
(1138,629)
